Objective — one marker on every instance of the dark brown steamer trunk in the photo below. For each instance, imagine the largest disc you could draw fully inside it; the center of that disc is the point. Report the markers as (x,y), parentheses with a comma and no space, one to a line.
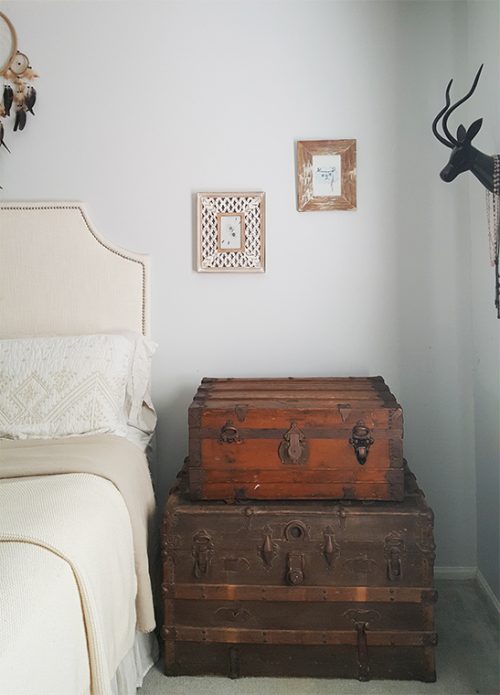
(321,438)
(301,588)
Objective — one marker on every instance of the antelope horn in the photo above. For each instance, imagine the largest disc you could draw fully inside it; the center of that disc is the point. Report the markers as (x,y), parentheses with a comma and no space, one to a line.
(452,140)
(460,101)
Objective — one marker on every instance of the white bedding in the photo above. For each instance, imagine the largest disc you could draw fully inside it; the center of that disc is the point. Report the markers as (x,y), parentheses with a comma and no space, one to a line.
(54,649)
(67,584)
(90,499)
(114,458)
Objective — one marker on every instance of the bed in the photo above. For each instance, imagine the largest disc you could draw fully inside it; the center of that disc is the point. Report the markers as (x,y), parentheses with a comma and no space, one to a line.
(76,499)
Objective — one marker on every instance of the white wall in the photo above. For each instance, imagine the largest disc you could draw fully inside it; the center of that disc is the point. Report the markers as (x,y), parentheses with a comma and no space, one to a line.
(434,317)
(143,104)
(483,31)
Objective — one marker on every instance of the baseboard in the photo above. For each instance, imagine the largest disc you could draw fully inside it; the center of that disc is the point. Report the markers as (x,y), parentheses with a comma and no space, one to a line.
(464,573)
(455,572)
(488,592)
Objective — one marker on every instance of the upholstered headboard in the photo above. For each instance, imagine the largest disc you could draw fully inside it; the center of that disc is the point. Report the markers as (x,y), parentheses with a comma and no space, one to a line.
(59,277)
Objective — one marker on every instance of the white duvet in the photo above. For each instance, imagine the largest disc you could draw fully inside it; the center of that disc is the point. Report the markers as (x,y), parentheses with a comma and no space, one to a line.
(59,536)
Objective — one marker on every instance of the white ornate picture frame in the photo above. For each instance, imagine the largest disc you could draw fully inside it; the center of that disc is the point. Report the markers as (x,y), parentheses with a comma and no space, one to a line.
(231,232)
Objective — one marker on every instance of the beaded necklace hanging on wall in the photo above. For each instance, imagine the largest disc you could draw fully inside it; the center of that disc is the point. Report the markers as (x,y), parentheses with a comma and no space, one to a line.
(493,217)
(486,168)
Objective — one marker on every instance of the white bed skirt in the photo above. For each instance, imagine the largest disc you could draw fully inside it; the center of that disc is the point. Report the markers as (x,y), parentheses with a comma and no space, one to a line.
(132,670)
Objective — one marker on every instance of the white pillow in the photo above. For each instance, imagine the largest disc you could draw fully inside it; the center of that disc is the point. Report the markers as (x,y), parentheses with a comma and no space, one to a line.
(141,415)
(62,386)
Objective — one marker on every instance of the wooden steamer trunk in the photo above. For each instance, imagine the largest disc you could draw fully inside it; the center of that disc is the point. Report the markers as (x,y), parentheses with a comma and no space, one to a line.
(322,438)
(301,588)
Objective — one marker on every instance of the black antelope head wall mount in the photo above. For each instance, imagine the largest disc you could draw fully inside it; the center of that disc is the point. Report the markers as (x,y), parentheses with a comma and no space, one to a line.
(486,168)
(464,156)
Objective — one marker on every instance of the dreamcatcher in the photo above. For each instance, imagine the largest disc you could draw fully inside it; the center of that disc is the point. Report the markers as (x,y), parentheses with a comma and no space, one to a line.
(19,95)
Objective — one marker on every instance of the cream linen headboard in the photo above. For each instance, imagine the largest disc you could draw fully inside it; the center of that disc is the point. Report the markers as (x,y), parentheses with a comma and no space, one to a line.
(59,277)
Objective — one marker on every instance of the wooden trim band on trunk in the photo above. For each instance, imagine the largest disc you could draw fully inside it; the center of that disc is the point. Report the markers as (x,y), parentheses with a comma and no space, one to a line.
(297,491)
(321,476)
(291,379)
(375,638)
(355,392)
(251,592)
(330,410)
(358,398)
(293,382)
(312,508)
(308,432)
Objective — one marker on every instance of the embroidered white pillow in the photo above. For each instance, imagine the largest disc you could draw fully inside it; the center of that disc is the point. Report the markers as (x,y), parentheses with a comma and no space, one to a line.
(62,386)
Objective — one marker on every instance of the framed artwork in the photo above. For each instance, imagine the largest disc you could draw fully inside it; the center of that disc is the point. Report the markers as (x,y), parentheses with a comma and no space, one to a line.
(326,175)
(231,232)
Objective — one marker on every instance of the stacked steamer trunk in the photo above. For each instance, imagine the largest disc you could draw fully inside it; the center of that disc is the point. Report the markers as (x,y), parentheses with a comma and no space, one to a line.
(324,438)
(323,566)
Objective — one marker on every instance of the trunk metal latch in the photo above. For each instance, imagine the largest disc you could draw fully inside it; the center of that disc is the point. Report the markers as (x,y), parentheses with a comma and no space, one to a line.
(295,568)
(293,449)
(202,551)
(229,434)
(394,549)
(361,440)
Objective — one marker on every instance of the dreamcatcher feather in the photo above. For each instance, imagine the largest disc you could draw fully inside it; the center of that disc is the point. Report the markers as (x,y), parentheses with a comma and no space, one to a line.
(19,95)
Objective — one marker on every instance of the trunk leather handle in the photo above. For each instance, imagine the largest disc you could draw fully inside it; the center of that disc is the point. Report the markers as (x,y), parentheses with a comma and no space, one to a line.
(234,663)
(363,663)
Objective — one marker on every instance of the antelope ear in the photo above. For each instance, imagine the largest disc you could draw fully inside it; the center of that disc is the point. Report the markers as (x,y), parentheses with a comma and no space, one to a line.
(474,129)
(461,134)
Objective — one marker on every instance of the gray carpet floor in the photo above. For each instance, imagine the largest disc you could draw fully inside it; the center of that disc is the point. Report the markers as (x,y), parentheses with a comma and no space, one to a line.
(467,660)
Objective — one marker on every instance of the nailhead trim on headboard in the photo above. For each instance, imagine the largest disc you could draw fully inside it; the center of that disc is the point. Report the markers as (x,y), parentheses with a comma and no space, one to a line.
(99,241)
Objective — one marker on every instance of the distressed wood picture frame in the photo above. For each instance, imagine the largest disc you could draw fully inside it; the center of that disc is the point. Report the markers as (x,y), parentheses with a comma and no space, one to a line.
(230,232)
(326,175)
